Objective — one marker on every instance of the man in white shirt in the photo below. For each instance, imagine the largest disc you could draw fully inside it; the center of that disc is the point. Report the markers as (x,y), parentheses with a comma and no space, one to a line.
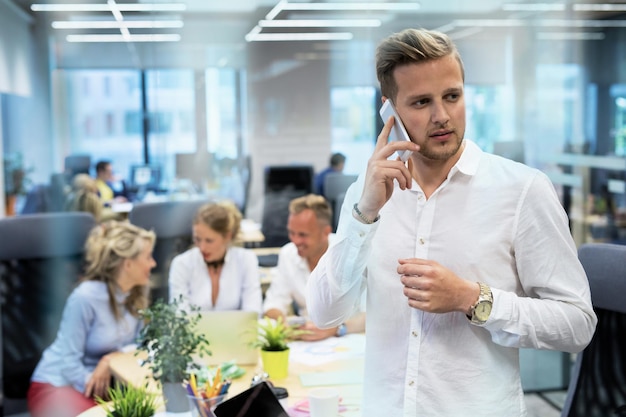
(309,228)
(466,257)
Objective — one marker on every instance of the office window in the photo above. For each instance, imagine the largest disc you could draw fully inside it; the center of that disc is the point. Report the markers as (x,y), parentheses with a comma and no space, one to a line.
(490,115)
(223,108)
(170,96)
(353,124)
(110,123)
(86,118)
(618,94)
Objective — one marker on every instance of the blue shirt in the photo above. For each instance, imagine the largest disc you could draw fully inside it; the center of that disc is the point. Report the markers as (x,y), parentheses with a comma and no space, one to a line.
(87,332)
(319,180)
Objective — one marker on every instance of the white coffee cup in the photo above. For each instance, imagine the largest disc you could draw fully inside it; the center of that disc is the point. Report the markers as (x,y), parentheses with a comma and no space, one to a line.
(323,402)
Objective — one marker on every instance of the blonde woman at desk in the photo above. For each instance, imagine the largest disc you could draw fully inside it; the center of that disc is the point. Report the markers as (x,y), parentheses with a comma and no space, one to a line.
(215,274)
(100,317)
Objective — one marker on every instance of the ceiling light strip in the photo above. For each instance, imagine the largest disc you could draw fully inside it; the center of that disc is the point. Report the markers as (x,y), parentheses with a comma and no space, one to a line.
(138,7)
(599,7)
(540,23)
(534,7)
(322,36)
(362,6)
(275,10)
(121,38)
(131,24)
(114,9)
(320,23)
(570,36)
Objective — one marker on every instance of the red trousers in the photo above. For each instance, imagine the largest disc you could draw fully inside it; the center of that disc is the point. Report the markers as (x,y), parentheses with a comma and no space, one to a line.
(45,400)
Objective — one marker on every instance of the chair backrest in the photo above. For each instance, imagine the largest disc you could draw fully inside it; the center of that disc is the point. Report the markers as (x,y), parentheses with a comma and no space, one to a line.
(598,383)
(171,221)
(335,184)
(41,260)
(283,183)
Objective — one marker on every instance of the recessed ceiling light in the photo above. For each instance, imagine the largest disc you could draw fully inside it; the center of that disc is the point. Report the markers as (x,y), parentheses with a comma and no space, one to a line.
(570,36)
(362,6)
(533,7)
(131,24)
(323,36)
(320,23)
(599,7)
(123,38)
(124,7)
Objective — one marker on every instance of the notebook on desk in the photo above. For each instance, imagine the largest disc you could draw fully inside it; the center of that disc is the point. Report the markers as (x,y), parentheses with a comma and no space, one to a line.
(229,334)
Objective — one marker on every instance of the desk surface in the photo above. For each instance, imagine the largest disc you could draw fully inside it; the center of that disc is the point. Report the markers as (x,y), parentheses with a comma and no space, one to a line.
(336,362)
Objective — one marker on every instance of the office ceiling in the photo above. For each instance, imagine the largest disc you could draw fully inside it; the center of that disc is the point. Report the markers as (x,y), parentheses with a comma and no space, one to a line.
(217,29)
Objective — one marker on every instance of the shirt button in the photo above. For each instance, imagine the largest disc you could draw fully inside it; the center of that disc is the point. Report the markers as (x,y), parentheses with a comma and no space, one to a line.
(411,383)
(414,333)
(361,234)
(422,241)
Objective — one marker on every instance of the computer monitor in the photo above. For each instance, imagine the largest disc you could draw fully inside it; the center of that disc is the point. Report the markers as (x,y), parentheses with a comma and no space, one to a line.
(195,167)
(77,164)
(289,178)
(145,177)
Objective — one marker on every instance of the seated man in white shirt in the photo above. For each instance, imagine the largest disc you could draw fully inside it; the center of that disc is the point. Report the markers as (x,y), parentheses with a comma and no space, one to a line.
(309,227)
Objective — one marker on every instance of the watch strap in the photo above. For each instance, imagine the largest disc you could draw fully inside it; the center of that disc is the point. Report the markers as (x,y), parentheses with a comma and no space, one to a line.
(485,295)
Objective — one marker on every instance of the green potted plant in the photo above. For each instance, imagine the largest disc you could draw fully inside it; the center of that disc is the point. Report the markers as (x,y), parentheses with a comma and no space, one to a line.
(129,401)
(273,337)
(171,342)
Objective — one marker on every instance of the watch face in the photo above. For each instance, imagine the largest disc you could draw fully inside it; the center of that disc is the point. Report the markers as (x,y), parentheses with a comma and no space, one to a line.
(482,311)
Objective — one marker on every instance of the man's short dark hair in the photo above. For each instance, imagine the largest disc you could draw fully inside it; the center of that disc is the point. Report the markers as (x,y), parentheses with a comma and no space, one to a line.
(337,159)
(102,165)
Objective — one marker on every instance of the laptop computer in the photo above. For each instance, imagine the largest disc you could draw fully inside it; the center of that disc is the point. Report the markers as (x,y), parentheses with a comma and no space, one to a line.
(229,334)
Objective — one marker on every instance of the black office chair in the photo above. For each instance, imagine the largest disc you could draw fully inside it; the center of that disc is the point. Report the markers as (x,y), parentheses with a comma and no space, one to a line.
(41,260)
(283,183)
(598,383)
(335,187)
(171,221)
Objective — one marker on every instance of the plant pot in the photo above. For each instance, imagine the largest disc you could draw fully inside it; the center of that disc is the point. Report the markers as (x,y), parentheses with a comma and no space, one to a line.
(275,363)
(9,204)
(175,396)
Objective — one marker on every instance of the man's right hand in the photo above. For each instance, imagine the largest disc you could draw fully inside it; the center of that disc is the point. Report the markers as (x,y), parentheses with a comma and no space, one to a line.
(381,172)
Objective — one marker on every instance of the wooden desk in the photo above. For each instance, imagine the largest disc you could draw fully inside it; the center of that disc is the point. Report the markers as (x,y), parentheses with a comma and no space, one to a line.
(336,362)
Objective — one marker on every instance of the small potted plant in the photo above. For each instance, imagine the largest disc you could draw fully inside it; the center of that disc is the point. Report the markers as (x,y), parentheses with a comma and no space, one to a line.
(171,342)
(273,337)
(129,401)
(16,180)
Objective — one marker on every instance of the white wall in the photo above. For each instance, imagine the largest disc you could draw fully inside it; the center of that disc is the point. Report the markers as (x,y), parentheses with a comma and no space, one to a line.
(15,51)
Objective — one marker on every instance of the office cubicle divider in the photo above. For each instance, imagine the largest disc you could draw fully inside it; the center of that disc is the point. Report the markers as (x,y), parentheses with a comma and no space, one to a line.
(41,260)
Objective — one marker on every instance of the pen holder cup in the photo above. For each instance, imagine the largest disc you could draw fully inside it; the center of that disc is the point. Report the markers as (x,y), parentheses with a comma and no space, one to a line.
(203,407)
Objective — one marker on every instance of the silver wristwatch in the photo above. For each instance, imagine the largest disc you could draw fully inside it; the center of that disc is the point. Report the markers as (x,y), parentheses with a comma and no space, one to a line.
(480,311)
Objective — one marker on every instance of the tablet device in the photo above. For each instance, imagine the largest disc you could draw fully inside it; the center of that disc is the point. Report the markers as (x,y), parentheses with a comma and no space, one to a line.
(257,401)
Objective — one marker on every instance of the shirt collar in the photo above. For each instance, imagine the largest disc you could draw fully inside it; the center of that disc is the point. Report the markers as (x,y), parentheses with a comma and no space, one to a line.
(469,160)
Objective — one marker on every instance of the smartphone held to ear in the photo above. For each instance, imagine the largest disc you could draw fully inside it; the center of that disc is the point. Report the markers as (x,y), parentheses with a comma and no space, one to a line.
(398,132)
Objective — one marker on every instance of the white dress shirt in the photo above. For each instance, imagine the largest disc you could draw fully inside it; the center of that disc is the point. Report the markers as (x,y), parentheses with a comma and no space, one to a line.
(240,284)
(491,220)
(289,281)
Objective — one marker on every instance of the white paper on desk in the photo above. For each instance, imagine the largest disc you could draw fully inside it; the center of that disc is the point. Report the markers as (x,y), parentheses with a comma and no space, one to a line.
(314,379)
(328,350)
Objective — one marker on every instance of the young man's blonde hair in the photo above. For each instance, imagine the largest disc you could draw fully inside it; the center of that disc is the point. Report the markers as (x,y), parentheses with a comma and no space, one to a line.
(411,46)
